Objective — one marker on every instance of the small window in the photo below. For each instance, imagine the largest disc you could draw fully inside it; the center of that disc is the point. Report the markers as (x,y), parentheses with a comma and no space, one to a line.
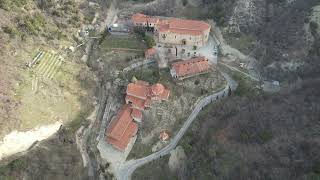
(175,37)
(190,38)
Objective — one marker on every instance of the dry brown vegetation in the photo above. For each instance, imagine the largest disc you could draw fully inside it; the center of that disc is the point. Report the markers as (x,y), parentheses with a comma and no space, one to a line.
(261,137)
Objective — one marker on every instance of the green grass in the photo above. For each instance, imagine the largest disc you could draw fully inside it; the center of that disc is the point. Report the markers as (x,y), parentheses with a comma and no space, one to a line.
(245,87)
(139,150)
(9,4)
(149,74)
(32,24)
(156,170)
(12,31)
(130,42)
(15,165)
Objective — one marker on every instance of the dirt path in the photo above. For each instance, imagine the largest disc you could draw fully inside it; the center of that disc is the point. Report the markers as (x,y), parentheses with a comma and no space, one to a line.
(84,143)
(227,50)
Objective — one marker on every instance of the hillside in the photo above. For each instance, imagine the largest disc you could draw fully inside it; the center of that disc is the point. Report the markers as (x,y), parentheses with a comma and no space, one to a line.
(253,135)
(249,135)
(59,88)
(29,27)
(263,137)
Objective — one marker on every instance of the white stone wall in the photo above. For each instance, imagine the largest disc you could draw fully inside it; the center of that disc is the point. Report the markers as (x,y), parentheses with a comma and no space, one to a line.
(191,40)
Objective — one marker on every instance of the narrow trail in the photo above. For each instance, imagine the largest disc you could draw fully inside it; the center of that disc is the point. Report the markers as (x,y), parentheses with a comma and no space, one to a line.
(84,141)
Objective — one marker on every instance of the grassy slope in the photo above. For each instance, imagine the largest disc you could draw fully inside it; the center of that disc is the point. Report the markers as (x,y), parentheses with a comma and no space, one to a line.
(24,29)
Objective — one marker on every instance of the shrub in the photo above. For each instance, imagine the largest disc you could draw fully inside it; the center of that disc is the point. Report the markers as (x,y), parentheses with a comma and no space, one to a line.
(265,136)
(150,41)
(313,28)
(10,30)
(32,24)
(9,4)
(217,13)
(184,2)
(316,167)
(195,48)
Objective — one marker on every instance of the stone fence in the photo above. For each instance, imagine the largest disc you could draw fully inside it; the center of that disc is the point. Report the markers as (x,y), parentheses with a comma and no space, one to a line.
(138,64)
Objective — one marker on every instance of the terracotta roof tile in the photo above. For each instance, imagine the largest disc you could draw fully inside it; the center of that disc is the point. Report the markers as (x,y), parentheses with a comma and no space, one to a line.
(121,128)
(141,18)
(150,52)
(120,123)
(138,90)
(122,143)
(137,114)
(136,102)
(165,95)
(140,94)
(183,26)
(157,89)
(191,66)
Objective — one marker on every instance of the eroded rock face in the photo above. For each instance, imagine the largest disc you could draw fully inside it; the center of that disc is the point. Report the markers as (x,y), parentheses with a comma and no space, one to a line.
(281,31)
(247,15)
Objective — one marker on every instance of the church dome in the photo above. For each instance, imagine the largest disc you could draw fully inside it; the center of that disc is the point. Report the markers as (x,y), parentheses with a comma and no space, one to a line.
(157,89)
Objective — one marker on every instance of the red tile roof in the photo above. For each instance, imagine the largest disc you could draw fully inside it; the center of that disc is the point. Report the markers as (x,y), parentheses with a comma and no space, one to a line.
(138,90)
(175,25)
(125,139)
(136,102)
(136,114)
(157,89)
(183,26)
(141,18)
(191,66)
(165,95)
(121,129)
(140,94)
(150,52)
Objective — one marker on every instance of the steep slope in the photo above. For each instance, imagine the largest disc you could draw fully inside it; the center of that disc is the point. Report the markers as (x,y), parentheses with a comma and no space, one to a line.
(271,136)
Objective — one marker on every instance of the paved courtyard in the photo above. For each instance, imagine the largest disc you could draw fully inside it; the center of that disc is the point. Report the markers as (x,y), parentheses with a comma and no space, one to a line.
(111,155)
(169,53)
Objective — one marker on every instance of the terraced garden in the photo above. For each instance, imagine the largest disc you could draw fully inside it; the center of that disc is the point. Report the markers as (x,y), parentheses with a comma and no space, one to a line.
(48,64)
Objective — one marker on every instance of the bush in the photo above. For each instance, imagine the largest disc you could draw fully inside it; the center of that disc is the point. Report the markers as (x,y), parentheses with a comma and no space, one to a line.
(195,48)
(184,2)
(150,41)
(313,28)
(316,167)
(32,24)
(9,4)
(265,136)
(10,30)
(217,13)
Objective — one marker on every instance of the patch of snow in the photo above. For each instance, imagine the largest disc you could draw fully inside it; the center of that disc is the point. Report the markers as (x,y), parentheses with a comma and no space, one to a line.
(18,141)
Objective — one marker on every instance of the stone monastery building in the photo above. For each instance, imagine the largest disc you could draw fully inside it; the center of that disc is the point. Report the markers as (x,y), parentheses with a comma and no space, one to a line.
(123,126)
(140,94)
(189,68)
(175,31)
